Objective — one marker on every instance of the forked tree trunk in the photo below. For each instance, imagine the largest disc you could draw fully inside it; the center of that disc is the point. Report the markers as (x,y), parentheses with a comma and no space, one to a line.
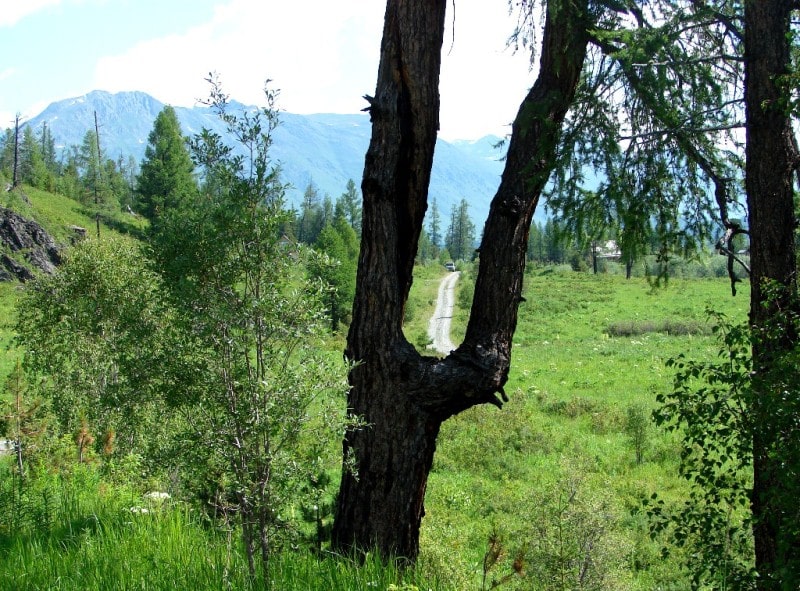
(771,163)
(402,396)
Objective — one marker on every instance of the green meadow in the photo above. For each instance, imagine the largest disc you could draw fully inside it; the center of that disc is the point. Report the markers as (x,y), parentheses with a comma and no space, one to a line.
(565,465)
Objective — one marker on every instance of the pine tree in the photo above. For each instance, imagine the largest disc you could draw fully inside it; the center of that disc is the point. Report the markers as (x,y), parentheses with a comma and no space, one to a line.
(7,153)
(348,205)
(460,239)
(310,222)
(338,245)
(47,145)
(166,176)
(435,229)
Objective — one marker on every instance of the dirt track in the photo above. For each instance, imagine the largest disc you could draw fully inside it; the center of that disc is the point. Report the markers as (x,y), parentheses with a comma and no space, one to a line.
(439,325)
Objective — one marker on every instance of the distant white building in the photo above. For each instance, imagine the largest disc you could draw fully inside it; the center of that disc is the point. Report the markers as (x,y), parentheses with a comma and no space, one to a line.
(606,250)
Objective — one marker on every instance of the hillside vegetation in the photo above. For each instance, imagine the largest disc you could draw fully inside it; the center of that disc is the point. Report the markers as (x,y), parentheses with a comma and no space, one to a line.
(59,216)
(546,493)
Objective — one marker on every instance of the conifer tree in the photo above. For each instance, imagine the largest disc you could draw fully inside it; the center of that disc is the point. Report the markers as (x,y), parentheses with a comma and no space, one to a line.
(460,239)
(337,244)
(166,176)
(310,221)
(435,228)
(348,205)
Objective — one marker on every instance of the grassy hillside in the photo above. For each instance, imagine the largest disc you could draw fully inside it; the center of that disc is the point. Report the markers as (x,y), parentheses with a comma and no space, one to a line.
(58,215)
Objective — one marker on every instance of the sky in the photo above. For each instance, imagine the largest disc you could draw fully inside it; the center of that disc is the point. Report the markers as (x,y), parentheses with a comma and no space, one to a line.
(321,54)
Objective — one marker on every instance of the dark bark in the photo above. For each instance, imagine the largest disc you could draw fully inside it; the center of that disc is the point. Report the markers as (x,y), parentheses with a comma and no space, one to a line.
(402,396)
(381,504)
(14,176)
(771,160)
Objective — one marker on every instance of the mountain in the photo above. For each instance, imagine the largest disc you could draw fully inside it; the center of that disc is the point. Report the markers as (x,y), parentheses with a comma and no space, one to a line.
(327,149)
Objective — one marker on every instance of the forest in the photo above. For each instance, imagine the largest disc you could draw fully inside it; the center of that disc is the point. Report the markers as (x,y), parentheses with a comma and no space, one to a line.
(215,389)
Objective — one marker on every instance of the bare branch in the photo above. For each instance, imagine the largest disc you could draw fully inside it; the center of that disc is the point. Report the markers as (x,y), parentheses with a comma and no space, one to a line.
(684,130)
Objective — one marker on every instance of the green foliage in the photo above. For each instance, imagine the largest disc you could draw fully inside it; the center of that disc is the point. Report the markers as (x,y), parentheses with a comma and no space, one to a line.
(460,237)
(651,169)
(637,426)
(492,559)
(265,382)
(435,230)
(211,373)
(312,216)
(348,207)
(74,530)
(23,419)
(32,169)
(337,245)
(775,415)
(710,408)
(574,543)
(723,411)
(671,326)
(166,173)
(319,511)
(93,336)
(8,298)
(550,243)
(570,387)
(569,398)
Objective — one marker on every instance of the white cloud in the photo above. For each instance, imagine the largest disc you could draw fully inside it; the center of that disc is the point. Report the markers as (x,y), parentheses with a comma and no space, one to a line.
(482,82)
(13,11)
(323,56)
(6,120)
(308,56)
(35,109)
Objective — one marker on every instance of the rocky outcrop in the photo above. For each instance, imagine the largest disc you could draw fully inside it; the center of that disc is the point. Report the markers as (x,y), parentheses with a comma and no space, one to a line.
(26,237)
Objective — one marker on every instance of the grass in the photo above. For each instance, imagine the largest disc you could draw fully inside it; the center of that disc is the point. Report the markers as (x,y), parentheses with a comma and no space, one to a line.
(8,355)
(93,540)
(573,380)
(556,468)
(58,214)
(497,475)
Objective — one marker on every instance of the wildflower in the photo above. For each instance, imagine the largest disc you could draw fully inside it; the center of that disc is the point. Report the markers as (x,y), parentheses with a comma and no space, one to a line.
(156,496)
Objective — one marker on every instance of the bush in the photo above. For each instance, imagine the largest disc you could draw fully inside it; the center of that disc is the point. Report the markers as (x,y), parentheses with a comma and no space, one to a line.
(637,426)
(673,327)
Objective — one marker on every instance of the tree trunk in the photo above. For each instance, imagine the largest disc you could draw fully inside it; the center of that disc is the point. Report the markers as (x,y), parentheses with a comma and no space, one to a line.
(402,396)
(15,175)
(771,161)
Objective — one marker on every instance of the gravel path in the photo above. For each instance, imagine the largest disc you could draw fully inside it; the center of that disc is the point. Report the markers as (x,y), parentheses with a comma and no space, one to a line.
(439,325)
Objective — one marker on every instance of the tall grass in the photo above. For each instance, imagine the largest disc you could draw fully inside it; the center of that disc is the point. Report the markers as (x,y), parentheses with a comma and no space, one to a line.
(99,537)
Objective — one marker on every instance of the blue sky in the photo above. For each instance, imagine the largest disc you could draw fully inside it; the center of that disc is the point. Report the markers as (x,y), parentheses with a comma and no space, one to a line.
(321,54)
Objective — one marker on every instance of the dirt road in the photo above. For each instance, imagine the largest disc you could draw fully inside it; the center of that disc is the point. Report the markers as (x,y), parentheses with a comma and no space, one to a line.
(439,325)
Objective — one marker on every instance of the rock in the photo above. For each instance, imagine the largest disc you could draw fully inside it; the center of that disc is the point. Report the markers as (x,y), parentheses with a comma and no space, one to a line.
(19,234)
(14,270)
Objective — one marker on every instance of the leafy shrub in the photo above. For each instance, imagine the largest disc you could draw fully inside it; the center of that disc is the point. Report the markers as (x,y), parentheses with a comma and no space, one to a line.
(572,408)
(709,408)
(637,426)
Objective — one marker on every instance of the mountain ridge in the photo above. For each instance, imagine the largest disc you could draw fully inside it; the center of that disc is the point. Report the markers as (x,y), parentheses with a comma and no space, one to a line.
(326,148)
